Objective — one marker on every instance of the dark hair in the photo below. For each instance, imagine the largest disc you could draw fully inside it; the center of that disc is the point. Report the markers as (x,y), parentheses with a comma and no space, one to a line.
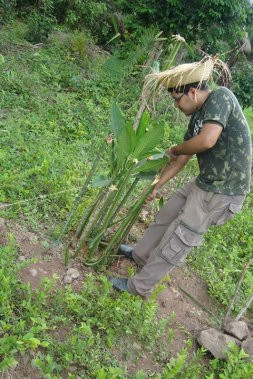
(203,86)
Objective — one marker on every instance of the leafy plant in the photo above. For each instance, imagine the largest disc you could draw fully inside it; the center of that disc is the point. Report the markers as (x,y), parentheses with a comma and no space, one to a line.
(132,154)
(39,26)
(242,83)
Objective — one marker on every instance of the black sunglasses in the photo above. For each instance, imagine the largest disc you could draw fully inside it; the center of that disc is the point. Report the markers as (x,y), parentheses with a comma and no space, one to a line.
(177,99)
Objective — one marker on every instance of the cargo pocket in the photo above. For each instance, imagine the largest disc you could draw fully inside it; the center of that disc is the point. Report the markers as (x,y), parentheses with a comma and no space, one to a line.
(180,243)
(229,213)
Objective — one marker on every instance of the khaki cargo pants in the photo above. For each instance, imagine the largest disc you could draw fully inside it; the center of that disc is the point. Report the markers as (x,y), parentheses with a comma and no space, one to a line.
(178,227)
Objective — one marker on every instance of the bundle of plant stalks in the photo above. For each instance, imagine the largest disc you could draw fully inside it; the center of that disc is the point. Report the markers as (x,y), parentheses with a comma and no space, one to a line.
(134,156)
(108,220)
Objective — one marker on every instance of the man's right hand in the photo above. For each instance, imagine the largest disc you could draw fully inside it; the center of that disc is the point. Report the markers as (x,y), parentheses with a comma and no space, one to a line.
(153,195)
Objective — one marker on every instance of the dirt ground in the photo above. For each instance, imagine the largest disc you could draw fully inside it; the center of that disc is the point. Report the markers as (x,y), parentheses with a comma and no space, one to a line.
(184,297)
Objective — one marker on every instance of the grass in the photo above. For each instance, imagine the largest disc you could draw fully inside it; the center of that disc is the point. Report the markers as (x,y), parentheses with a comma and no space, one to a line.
(95,333)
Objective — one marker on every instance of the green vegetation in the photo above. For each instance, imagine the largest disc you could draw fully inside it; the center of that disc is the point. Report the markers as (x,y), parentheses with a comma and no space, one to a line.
(56,99)
(61,332)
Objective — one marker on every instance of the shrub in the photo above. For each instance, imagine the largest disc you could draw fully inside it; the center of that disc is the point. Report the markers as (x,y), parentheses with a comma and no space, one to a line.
(242,84)
(39,27)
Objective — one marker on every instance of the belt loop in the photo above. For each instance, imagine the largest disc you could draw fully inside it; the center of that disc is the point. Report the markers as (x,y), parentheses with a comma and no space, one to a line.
(209,196)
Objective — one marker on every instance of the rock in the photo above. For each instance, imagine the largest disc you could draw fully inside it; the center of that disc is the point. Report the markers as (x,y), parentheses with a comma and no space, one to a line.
(22,258)
(246,45)
(216,342)
(136,346)
(73,273)
(239,329)
(33,272)
(177,294)
(247,346)
(72,368)
(67,279)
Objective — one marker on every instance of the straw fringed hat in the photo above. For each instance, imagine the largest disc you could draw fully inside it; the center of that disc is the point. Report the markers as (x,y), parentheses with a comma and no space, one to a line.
(185,74)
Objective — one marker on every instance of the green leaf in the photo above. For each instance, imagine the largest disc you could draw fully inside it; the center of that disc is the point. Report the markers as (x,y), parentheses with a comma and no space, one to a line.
(143,125)
(117,120)
(146,175)
(132,135)
(100,181)
(152,165)
(113,38)
(161,202)
(125,144)
(148,142)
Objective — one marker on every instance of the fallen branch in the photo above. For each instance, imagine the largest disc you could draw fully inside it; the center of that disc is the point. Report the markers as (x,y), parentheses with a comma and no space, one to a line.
(238,286)
(243,310)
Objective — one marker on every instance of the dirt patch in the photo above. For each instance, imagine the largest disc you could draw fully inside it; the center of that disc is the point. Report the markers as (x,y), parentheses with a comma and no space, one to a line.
(176,301)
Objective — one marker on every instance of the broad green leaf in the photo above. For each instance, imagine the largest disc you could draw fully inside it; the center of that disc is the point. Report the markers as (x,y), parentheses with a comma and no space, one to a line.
(125,144)
(153,165)
(117,120)
(133,137)
(151,157)
(143,125)
(146,175)
(100,181)
(148,142)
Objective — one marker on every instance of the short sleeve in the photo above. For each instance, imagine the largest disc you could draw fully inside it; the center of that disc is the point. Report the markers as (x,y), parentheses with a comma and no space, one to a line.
(218,108)
(187,135)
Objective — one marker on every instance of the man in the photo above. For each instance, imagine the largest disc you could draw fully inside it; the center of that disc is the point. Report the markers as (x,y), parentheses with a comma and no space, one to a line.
(219,135)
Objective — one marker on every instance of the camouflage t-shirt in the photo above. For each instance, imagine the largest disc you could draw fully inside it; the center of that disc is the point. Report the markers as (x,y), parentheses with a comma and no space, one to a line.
(226,167)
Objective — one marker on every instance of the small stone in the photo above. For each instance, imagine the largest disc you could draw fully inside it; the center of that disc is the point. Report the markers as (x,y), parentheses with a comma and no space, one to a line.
(67,279)
(136,346)
(22,258)
(33,272)
(72,368)
(216,342)
(177,294)
(247,346)
(73,273)
(239,329)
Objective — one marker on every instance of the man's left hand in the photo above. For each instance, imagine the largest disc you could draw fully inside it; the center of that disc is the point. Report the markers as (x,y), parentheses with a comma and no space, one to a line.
(172,153)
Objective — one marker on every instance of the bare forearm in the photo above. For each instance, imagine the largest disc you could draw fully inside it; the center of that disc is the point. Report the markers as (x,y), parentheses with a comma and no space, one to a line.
(194,146)
(205,140)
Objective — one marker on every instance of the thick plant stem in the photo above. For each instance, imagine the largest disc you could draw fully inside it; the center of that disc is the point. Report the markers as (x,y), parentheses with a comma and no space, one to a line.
(117,238)
(154,55)
(133,185)
(79,198)
(84,238)
(102,211)
(179,41)
(111,210)
(89,212)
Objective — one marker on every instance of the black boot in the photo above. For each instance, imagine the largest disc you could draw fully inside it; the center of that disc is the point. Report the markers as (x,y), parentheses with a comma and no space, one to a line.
(126,251)
(119,284)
